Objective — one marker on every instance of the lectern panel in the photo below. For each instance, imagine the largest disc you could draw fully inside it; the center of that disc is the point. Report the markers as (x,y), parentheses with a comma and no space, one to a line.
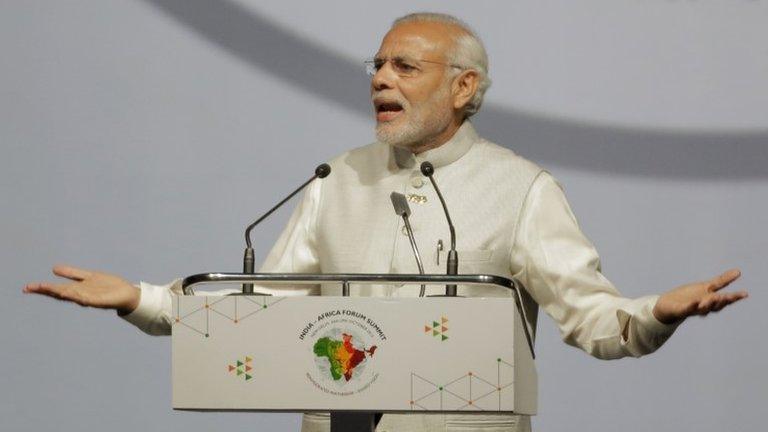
(351,353)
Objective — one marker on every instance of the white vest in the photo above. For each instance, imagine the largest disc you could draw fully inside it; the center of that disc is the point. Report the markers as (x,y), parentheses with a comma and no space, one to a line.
(484,186)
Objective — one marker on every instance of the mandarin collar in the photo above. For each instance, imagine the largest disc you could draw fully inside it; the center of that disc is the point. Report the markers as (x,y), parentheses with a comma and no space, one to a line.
(449,152)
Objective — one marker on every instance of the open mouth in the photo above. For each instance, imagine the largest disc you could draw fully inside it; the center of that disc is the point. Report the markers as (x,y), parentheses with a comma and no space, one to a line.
(387,110)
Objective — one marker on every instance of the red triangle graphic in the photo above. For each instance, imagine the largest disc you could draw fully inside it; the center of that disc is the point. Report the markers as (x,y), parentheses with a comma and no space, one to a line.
(427,329)
(231,368)
(247,368)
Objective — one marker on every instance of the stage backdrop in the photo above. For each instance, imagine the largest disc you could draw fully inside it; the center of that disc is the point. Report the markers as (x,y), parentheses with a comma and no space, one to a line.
(141,136)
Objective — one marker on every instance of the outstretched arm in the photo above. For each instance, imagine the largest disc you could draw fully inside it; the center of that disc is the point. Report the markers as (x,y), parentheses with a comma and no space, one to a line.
(699,298)
(148,307)
(89,288)
(561,270)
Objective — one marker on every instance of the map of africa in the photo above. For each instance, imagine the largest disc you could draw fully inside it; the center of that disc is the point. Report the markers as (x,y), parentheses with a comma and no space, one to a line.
(342,355)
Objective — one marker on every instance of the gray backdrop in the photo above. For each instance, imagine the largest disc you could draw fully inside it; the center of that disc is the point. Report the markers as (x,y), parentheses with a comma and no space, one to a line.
(132,129)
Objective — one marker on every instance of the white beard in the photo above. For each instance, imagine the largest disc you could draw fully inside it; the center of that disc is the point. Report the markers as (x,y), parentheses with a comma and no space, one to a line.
(420,125)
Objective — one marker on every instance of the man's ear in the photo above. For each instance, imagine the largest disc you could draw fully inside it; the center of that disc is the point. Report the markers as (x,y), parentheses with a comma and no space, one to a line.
(464,88)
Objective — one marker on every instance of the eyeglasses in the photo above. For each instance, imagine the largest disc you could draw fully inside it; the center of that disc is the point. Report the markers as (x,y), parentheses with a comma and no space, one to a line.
(403,66)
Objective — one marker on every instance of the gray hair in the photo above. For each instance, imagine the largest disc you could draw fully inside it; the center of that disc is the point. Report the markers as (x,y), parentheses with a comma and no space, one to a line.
(468,52)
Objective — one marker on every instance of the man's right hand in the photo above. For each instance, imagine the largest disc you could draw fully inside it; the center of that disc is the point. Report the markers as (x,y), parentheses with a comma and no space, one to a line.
(90,288)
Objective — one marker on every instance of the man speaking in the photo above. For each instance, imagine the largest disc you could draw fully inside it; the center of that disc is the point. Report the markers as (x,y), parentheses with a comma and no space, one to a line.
(427,79)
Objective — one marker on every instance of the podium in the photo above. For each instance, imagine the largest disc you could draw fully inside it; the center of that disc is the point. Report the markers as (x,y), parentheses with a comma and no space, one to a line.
(352,356)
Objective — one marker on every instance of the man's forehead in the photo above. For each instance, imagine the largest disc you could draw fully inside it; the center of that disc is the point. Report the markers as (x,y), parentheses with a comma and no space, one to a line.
(418,39)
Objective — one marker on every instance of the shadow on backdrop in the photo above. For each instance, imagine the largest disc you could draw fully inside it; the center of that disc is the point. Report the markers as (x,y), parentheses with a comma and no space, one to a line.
(329,75)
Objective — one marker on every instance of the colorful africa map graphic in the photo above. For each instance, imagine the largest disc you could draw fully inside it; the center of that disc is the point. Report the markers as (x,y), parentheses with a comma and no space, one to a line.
(343,356)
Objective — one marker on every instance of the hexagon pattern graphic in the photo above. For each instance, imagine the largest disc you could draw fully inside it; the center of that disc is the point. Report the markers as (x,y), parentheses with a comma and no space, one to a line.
(466,392)
(202,318)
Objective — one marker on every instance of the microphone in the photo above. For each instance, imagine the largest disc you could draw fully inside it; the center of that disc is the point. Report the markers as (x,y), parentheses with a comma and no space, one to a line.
(453,257)
(402,209)
(322,171)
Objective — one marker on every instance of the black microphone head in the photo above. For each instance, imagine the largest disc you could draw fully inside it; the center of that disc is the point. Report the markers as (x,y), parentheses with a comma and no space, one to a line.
(400,204)
(427,169)
(323,170)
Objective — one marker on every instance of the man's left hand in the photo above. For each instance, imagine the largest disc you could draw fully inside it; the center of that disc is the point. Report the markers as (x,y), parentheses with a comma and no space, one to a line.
(698,298)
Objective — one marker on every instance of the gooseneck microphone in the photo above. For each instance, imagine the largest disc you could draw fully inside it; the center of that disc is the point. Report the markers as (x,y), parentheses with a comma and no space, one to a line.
(453,257)
(321,171)
(402,209)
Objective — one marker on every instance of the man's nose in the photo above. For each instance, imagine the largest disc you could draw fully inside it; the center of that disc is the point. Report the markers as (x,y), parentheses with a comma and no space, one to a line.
(383,78)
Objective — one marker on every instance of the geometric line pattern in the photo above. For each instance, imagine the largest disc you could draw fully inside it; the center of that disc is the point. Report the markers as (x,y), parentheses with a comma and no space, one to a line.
(235,309)
(467,392)
(438,329)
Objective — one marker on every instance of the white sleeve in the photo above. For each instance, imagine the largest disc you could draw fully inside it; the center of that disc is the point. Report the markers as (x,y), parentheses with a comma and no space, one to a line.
(560,268)
(294,252)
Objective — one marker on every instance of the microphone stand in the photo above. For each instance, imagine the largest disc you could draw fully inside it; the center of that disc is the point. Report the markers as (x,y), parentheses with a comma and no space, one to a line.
(321,171)
(400,203)
(453,257)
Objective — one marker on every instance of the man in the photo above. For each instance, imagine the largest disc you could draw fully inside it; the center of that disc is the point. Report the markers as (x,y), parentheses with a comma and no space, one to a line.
(428,77)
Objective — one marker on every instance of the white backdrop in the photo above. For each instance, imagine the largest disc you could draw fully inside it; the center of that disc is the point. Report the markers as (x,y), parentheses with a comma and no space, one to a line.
(141,136)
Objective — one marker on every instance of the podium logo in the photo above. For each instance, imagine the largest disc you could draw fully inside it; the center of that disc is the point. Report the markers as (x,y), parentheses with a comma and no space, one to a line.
(343,361)
(343,357)
(342,344)
(242,368)
(438,329)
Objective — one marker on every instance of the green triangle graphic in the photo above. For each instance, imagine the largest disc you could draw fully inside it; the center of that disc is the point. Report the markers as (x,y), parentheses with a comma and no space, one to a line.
(435,324)
(435,332)
(247,377)
(239,372)
(445,337)
(239,363)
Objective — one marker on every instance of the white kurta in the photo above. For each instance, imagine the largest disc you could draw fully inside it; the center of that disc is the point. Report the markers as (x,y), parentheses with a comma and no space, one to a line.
(512,219)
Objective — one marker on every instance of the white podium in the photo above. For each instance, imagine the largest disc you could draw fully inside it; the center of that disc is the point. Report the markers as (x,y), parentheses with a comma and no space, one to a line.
(352,354)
